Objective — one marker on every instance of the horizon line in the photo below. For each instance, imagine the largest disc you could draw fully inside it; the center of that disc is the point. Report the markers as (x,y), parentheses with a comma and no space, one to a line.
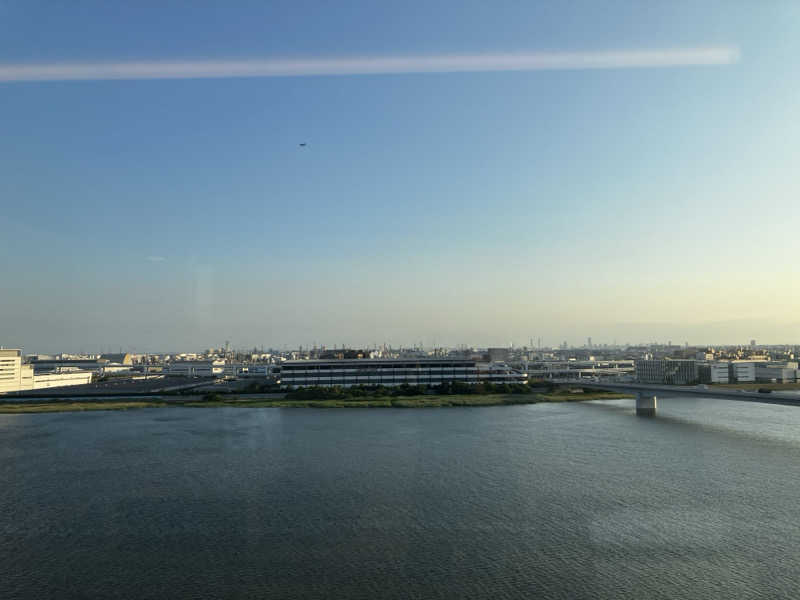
(368,65)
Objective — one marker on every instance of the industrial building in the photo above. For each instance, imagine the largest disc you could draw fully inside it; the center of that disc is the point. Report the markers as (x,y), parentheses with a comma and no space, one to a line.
(743,372)
(195,368)
(253,371)
(776,372)
(17,377)
(718,372)
(392,372)
(578,368)
(748,371)
(667,370)
(123,358)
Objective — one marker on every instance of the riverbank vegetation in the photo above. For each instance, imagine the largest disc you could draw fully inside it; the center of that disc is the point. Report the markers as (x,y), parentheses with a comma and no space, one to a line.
(48,407)
(417,401)
(525,393)
(408,397)
(455,388)
(354,397)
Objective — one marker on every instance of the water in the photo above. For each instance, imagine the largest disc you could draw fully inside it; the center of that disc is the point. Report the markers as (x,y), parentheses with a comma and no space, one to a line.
(550,500)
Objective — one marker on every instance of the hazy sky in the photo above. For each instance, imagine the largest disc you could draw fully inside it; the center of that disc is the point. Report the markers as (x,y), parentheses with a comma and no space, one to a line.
(483,207)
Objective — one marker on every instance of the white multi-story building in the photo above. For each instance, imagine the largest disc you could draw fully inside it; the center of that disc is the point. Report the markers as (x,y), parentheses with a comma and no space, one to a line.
(720,372)
(12,378)
(743,371)
(776,373)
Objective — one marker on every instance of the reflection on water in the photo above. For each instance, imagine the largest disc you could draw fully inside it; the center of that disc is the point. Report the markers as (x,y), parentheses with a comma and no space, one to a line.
(560,500)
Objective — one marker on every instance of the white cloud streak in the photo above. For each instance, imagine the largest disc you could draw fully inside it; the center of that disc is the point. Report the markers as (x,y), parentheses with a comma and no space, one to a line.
(374,65)
(155,259)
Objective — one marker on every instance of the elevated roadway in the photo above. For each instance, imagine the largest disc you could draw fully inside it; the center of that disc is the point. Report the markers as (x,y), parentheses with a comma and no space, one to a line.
(646,393)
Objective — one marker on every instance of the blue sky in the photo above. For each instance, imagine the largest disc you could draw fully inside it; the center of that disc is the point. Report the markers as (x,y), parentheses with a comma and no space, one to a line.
(477,208)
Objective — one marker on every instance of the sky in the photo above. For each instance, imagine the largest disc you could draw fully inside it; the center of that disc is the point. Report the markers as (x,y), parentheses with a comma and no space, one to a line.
(477,173)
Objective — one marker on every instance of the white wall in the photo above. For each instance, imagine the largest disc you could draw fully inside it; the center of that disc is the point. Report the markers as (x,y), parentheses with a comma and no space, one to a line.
(719,373)
(744,372)
(49,380)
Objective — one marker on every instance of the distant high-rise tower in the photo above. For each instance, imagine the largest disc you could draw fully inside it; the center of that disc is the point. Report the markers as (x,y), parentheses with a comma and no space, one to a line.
(588,342)
(752,343)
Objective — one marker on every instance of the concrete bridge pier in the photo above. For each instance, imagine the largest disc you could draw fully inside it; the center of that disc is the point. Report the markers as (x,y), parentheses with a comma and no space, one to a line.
(645,405)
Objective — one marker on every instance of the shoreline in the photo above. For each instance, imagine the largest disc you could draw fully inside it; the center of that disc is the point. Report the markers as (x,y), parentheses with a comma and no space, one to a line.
(432,401)
(428,401)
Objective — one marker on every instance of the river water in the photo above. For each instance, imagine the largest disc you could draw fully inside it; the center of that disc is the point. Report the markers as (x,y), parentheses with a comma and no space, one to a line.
(550,500)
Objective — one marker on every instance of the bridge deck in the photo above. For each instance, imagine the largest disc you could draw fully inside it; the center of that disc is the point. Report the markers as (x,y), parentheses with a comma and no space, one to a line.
(679,390)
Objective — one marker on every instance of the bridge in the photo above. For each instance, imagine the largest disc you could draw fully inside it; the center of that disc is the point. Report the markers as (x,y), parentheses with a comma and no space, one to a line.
(646,394)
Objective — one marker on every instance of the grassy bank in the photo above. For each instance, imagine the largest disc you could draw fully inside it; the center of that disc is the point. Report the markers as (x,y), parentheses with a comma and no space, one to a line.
(422,401)
(49,407)
(756,386)
(375,402)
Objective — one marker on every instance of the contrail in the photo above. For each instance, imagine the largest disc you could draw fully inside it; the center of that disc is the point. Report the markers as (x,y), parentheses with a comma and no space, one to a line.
(375,65)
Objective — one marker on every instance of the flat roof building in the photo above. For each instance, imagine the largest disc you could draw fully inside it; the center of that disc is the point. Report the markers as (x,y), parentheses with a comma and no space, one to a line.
(714,372)
(666,370)
(391,372)
(195,368)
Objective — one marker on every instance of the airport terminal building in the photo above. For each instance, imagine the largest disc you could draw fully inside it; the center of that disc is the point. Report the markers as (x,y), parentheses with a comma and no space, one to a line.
(418,371)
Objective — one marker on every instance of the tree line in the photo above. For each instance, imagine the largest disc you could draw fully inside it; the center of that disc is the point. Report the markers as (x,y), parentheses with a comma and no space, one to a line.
(445,388)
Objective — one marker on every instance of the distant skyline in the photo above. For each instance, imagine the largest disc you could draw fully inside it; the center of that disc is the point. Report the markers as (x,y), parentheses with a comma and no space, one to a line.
(429,342)
(482,206)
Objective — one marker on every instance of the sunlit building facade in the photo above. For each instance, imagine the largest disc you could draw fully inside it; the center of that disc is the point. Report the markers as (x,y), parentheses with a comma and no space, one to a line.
(17,377)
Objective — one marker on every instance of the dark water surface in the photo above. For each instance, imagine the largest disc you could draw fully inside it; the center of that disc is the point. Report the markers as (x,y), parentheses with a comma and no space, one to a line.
(550,500)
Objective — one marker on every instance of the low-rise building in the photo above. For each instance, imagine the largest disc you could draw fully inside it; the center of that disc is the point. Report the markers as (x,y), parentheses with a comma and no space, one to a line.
(259,370)
(100,366)
(195,368)
(391,372)
(55,379)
